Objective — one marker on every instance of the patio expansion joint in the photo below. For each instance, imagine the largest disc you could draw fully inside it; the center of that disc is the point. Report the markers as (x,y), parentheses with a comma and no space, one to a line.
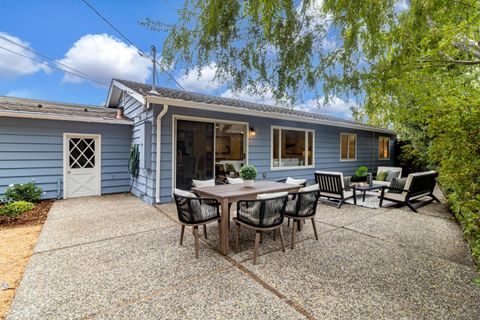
(261,282)
(407,247)
(152,295)
(102,240)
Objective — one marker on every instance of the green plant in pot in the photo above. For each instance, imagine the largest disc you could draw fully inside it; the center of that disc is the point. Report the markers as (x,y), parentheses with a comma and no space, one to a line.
(360,174)
(248,173)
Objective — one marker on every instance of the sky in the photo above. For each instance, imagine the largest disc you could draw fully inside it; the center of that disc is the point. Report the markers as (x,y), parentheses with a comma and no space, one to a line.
(70,34)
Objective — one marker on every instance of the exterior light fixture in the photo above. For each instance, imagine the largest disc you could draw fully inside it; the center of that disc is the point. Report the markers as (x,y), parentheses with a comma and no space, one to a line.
(252,132)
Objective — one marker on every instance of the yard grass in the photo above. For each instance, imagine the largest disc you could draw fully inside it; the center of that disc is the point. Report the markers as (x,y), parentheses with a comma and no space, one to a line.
(17,241)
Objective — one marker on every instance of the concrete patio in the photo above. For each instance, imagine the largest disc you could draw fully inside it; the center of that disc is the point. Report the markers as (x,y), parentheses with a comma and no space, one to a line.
(116,257)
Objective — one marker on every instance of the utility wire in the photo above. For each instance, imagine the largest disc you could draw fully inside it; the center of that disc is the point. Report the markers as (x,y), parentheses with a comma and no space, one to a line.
(55,67)
(44,56)
(142,53)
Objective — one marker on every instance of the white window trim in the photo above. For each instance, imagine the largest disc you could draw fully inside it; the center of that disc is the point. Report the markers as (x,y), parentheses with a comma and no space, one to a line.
(176,117)
(378,153)
(272,168)
(356,144)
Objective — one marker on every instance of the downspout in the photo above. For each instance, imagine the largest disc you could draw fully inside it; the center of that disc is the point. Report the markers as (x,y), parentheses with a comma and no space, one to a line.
(159,148)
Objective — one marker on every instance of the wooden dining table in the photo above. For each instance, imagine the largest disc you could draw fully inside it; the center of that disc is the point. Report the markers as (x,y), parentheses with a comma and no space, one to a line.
(229,193)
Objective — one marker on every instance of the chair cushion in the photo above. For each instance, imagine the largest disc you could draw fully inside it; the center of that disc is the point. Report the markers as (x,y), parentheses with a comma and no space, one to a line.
(183,193)
(397,183)
(295,181)
(234,180)
(264,196)
(382,175)
(392,174)
(395,196)
(203,183)
(313,187)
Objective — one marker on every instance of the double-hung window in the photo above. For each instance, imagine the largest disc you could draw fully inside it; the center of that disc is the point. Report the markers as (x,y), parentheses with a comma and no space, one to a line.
(292,148)
(383,148)
(348,146)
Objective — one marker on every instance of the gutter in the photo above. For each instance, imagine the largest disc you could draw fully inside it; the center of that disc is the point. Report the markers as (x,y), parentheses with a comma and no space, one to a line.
(264,114)
(50,116)
(159,148)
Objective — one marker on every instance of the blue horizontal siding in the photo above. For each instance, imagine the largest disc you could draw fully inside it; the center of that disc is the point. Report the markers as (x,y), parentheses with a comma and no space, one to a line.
(327,147)
(32,149)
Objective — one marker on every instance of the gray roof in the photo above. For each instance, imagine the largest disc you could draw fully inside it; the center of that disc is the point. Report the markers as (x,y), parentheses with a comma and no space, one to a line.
(22,106)
(145,90)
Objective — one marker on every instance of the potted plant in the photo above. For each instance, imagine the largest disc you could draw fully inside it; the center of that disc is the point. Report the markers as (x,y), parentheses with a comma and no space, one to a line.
(248,173)
(360,174)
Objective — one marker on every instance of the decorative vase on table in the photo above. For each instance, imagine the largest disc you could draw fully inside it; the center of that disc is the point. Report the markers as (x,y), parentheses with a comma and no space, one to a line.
(248,173)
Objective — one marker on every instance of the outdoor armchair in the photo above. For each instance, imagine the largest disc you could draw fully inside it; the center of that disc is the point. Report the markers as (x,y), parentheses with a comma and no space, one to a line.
(261,215)
(300,207)
(194,212)
(331,186)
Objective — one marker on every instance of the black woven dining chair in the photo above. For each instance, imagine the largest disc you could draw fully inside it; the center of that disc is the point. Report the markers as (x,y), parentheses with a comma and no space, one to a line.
(194,212)
(260,215)
(300,207)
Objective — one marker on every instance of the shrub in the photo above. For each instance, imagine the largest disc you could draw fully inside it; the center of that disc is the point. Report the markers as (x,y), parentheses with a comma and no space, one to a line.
(23,192)
(362,171)
(248,172)
(14,209)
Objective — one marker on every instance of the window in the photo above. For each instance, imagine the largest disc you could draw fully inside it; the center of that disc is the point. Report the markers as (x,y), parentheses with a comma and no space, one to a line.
(348,146)
(292,148)
(383,148)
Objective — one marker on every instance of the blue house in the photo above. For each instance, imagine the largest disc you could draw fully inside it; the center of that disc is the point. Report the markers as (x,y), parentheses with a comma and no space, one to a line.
(75,150)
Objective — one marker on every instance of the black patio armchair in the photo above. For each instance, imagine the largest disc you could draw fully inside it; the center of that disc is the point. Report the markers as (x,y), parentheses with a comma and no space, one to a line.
(332,187)
(260,215)
(194,212)
(300,207)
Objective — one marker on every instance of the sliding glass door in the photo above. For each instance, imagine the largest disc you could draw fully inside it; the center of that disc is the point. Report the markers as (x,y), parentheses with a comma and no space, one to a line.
(207,150)
(195,157)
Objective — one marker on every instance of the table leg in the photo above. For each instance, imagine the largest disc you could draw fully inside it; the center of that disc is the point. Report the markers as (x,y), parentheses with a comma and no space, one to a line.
(224,226)
(364,195)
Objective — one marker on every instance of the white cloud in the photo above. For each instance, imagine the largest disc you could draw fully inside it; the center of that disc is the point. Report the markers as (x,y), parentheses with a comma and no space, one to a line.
(200,80)
(335,106)
(103,57)
(13,65)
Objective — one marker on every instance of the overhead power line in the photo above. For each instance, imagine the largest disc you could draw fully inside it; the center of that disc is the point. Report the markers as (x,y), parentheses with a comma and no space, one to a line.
(45,57)
(55,67)
(140,52)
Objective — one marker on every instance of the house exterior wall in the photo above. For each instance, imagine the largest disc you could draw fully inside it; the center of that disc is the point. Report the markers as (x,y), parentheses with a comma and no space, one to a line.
(33,149)
(327,147)
(143,135)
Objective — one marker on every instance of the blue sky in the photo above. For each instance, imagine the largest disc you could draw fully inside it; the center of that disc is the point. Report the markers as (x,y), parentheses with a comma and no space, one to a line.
(70,33)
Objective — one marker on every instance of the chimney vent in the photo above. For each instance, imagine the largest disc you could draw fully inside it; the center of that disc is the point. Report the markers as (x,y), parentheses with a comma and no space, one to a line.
(120,115)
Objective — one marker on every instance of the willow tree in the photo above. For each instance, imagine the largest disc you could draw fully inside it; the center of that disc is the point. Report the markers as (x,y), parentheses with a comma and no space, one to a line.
(414,65)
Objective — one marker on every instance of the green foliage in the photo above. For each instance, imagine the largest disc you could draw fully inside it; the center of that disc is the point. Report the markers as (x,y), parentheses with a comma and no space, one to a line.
(23,192)
(416,70)
(248,172)
(14,209)
(362,171)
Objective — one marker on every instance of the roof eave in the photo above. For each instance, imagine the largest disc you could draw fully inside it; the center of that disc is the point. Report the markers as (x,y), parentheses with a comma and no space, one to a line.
(264,114)
(50,116)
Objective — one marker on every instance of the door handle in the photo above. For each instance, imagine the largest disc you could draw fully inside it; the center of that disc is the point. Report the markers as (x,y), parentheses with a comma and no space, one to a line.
(68,171)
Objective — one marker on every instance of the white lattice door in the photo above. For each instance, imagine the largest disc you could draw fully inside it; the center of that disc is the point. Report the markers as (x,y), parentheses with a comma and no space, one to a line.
(82,165)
